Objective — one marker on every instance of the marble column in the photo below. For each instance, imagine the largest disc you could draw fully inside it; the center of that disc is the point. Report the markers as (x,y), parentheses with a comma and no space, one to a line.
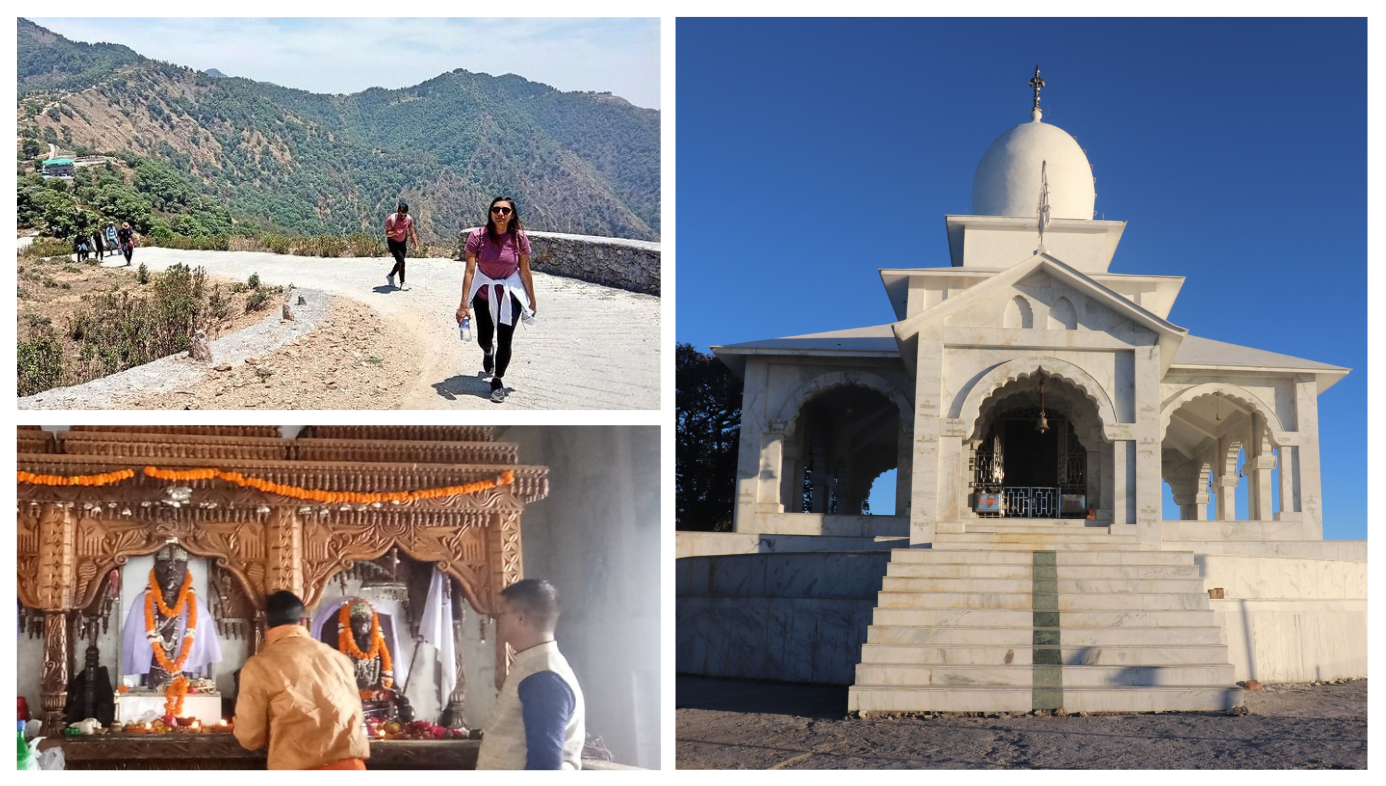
(1121,491)
(771,465)
(1148,486)
(753,404)
(1092,473)
(924,487)
(904,467)
(791,474)
(1258,469)
(1307,458)
(1289,493)
(1226,487)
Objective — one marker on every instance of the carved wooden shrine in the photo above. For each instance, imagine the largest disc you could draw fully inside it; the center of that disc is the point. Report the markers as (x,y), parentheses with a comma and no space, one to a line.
(70,536)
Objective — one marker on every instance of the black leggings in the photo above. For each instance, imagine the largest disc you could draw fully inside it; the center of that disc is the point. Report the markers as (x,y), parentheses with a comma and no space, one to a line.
(481,310)
(128,251)
(398,249)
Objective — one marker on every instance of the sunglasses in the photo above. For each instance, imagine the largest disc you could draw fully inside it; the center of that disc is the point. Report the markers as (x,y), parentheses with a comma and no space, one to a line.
(505,211)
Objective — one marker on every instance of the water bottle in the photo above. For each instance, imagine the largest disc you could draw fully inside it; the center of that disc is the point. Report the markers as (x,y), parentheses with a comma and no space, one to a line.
(465,328)
(24,756)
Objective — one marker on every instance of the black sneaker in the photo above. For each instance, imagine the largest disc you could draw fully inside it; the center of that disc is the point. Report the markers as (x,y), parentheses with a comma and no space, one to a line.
(488,363)
(497,390)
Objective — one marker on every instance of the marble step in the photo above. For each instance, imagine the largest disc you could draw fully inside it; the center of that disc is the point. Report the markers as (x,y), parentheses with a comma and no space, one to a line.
(985,698)
(909,674)
(1077,536)
(1047,545)
(1075,572)
(1092,601)
(995,556)
(1064,585)
(1033,525)
(938,617)
(1024,636)
(972,654)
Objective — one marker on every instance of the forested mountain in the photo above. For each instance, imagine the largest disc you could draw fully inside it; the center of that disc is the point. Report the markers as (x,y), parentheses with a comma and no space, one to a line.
(576,162)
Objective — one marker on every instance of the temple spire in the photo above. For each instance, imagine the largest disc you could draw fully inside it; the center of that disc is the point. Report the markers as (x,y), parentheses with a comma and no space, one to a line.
(1036,83)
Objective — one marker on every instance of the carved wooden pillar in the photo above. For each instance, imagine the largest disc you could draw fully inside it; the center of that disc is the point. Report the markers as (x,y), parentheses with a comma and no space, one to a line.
(53,686)
(284,560)
(508,570)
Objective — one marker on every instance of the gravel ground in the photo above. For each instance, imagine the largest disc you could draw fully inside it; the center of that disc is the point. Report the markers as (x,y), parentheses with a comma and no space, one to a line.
(593,347)
(725,724)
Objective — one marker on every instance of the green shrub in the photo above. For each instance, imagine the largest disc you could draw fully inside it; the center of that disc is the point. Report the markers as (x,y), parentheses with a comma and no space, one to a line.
(47,247)
(40,363)
(257,301)
(253,282)
(142,274)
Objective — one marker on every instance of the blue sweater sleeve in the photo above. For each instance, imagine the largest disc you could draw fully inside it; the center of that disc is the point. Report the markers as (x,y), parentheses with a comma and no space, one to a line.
(547,704)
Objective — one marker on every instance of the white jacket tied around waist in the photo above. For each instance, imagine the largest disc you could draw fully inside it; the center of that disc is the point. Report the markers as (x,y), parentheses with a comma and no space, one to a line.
(503,746)
(498,296)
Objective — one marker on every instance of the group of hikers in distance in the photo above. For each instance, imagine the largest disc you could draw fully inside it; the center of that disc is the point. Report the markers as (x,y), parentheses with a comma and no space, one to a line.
(102,241)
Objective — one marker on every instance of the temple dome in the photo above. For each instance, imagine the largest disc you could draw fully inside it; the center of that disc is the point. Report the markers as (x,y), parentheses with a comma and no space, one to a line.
(1007,182)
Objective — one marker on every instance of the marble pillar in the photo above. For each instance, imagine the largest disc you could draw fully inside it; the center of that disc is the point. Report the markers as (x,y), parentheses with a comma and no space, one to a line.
(924,486)
(1307,458)
(1289,498)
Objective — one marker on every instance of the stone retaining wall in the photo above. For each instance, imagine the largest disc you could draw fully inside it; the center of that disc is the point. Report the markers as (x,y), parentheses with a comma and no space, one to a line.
(632,265)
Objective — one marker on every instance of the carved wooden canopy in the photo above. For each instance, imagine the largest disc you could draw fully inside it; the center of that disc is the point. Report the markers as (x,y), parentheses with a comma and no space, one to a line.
(71,535)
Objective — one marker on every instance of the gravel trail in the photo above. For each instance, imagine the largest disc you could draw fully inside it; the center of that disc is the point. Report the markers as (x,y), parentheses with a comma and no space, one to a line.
(726,724)
(593,347)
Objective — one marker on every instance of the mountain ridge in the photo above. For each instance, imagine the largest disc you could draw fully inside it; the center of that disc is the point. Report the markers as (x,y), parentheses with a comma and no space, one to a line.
(578,162)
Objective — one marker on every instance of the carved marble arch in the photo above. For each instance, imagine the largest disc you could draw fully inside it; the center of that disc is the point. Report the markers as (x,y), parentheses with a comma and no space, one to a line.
(1275,432)
(1060,398)
(789,412)
(1023,368)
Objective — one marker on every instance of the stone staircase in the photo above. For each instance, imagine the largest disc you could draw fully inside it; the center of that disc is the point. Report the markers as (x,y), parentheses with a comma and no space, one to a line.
(1008,617)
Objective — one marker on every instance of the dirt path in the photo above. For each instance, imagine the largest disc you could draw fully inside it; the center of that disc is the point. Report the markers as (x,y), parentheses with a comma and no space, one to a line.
(338,365)
(593,347)
(724,724)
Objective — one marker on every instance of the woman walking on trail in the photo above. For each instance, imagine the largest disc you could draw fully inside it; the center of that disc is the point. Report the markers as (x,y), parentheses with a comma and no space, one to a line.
(399,228)
(125,236)
(498,286)
(79,245)
(98,245)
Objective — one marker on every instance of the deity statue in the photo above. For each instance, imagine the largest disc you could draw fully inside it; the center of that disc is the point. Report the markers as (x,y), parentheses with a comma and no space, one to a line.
(359,636)
(89,694)
(169,633)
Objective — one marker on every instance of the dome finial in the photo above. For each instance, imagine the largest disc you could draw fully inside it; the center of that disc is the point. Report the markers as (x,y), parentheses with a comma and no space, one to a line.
(1036,83)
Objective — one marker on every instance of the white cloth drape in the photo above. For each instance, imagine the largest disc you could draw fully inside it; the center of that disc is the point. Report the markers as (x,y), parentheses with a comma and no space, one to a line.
(435,627)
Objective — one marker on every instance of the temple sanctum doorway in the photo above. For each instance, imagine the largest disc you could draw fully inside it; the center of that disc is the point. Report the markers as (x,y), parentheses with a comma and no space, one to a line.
(1030,460)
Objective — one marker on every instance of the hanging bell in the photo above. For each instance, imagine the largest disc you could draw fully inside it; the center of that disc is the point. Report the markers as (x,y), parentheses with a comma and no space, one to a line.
(1043,424)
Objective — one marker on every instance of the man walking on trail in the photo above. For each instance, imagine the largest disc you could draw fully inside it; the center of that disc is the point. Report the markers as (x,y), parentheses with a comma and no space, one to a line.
(538,721)
(299,697)
(399,227)
(126,237)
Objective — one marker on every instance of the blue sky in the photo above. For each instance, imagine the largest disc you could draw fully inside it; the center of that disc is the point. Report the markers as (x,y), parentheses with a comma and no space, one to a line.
(813,152)
(620,56)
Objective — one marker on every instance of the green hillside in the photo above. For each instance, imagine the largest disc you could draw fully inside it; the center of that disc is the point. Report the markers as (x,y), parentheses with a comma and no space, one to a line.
(317,164)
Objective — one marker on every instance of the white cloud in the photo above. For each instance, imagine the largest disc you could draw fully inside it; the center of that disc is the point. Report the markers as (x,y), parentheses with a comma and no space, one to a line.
(620,56)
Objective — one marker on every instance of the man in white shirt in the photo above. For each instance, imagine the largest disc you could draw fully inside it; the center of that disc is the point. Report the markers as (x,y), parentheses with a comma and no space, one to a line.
(538,722)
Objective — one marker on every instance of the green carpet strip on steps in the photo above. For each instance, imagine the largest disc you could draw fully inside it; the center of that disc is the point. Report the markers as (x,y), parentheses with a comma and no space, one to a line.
(1047,691)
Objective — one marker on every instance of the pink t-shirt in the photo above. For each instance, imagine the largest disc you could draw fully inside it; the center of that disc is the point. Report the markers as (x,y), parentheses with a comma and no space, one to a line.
(497,260)
(396,229)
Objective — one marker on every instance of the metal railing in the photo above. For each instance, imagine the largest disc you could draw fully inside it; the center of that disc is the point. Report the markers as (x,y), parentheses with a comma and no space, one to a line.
(1030,502)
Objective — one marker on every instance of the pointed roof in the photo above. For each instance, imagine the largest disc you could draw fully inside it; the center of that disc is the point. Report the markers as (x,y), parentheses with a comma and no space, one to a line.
(1171,335)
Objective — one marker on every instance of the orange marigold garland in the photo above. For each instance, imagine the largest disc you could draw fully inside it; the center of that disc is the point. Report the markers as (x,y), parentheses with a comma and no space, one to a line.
(346,643)
(178,687)
(104,479)
(506,478)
